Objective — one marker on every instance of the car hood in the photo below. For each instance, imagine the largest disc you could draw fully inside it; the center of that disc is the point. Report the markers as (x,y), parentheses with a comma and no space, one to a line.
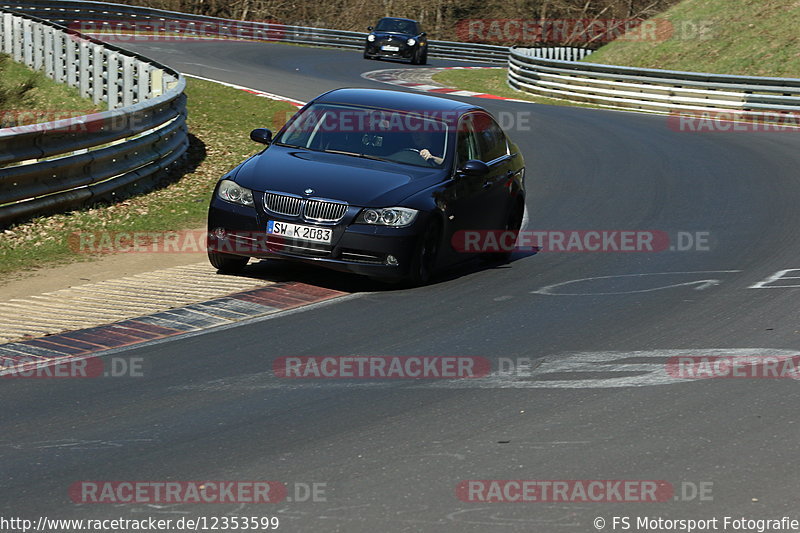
(360,182)
(387,34)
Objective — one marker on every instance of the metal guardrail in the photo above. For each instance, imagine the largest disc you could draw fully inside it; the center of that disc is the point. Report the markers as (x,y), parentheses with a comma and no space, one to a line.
(86,15)
(71,162)
(653,90)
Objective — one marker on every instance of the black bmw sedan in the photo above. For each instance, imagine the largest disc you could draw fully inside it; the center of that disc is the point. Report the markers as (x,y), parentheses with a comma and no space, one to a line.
(370,181)
(398,39)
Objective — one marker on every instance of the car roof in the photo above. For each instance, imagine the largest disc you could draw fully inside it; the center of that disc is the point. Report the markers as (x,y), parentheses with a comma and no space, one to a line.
(395,100)
(397,18)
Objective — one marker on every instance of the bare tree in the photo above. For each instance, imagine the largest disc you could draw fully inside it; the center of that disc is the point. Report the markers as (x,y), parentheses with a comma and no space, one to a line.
(440,17)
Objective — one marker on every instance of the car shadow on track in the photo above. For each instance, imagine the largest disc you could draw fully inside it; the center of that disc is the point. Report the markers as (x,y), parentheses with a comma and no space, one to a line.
(288,271)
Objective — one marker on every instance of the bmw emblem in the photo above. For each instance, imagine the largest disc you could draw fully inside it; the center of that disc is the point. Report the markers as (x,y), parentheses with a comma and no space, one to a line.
(308,191)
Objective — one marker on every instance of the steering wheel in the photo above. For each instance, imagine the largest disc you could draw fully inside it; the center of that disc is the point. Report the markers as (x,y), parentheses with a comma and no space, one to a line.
(430,161)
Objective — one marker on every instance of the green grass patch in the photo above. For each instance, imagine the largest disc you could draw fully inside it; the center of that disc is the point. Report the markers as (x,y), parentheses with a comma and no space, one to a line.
(748,37)
(27,95)
(493,81)
(220,120)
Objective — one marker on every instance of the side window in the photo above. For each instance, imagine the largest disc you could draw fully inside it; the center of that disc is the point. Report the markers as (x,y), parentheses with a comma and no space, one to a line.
(466,144)
(491,139)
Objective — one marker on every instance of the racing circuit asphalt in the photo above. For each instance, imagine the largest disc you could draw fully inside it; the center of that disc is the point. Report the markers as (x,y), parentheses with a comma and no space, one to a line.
(392,453)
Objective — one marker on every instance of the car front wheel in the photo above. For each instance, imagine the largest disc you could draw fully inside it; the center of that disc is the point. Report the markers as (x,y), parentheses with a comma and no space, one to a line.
(227,263)
(427,251)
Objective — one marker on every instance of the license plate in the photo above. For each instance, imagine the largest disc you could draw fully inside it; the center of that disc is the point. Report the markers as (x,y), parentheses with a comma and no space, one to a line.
(390,48)
(296,231)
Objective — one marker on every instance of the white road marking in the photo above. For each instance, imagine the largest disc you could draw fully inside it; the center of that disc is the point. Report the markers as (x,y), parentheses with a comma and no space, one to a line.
(765,284)
(651,373)
(701,284)
(592,370)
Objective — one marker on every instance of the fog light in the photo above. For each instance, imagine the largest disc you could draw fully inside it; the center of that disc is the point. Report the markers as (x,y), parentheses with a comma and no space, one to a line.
(391,260)
(220,233)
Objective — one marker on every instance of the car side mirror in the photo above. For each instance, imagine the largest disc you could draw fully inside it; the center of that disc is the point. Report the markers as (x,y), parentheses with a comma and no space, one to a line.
(261,135)
(369,28)
(423,34)
(474,168)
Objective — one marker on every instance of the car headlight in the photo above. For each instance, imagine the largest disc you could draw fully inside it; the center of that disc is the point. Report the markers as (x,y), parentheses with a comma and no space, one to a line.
(370,37)
(411,42)
(388,216)
(230,191)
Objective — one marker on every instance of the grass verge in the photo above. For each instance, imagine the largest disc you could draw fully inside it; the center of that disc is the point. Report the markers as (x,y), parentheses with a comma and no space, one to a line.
(220,119)
(27,96)
(493,81)
(749,37)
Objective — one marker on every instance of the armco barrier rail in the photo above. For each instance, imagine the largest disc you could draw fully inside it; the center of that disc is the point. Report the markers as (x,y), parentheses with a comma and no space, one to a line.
(653,90)
(88,16)
(70,162)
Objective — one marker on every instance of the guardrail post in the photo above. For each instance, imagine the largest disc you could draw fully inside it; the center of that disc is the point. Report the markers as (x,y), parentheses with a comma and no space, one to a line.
(16,33)
(59,73)
(84,70)
(142,81)
(156,82)
(98,80)
(128,86)
(38,45)
(27,43)
(49,53)
(71,59)
(112,80)
(8,32)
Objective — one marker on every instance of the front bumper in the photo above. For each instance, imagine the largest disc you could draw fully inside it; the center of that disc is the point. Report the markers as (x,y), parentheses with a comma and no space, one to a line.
(404,52)
(357,248)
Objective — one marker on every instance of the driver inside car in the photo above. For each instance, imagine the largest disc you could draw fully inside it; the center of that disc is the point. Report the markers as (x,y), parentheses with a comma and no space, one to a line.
(421,141)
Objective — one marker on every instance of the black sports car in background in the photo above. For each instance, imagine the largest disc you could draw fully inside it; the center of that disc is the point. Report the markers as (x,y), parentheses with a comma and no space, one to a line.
(370,181)
(398,39)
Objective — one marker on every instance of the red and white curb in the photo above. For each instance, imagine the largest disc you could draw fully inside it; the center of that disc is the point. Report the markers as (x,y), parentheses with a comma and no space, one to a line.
(400,77)
(18,357)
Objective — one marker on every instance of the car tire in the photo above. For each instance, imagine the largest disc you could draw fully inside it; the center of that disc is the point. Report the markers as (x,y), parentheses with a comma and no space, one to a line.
(416,57)
(513,223)
(367,56)
(227,263)
(427,251)
(424,59)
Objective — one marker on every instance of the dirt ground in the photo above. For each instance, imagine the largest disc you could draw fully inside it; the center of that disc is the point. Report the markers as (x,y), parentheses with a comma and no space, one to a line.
(108,267)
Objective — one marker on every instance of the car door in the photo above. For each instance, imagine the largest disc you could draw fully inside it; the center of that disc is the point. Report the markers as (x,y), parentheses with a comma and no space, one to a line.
(467,196)
(494,151)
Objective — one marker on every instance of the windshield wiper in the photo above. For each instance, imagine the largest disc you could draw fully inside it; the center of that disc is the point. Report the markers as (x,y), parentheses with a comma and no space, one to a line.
(356,154)
(288,145)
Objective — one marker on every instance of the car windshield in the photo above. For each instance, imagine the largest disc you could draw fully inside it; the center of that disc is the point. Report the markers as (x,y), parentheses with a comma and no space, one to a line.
(401,137)
(395,25)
